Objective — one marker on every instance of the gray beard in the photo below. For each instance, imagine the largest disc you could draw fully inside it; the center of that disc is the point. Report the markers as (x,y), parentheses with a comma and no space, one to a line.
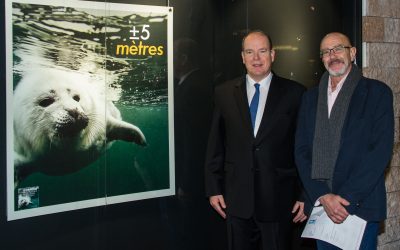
(341,72)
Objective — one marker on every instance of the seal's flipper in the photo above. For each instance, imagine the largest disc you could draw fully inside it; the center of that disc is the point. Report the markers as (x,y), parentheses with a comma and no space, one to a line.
(120,130)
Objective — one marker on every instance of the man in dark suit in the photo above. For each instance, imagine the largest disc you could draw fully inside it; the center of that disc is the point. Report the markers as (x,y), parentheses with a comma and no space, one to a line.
(250,173)
(344,140)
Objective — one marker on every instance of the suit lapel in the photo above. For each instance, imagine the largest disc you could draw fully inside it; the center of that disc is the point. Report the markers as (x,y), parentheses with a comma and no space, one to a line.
(240,93)
(275,94)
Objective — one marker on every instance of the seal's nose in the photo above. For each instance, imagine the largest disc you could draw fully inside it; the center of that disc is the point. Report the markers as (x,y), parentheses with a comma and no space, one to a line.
(79,120)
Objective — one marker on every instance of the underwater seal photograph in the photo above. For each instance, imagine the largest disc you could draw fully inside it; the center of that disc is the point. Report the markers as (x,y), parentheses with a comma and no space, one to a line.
(89,105)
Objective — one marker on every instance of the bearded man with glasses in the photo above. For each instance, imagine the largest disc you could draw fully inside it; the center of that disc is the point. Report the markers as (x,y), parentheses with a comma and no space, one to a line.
(344,141)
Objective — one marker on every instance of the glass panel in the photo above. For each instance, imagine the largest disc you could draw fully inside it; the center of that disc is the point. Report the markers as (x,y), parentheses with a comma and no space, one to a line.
(207,38)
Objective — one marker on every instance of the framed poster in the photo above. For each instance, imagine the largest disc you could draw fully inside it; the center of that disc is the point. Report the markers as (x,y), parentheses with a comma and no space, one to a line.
(89,105)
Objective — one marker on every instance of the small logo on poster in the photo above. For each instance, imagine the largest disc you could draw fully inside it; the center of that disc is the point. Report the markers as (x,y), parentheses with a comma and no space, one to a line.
(28,197)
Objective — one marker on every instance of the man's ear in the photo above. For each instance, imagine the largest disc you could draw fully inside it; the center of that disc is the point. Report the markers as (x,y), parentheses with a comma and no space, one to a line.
(184,59)
(353,51)
(272,55)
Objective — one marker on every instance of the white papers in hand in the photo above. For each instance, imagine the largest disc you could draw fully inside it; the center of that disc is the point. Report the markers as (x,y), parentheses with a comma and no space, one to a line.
(347,235)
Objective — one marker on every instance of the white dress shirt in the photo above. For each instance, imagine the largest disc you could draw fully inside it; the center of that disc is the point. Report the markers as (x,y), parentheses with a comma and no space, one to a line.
(264,88)
(332,95)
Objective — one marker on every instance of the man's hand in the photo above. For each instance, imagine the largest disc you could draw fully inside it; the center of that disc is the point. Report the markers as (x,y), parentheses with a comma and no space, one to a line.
(218,203)
(334,207)
(300,216)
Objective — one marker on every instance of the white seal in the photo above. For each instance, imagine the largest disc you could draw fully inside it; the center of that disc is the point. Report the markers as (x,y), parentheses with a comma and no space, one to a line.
(63,122)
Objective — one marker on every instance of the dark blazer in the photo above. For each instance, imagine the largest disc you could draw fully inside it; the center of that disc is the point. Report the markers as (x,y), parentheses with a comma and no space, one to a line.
(365,151)
(257,176)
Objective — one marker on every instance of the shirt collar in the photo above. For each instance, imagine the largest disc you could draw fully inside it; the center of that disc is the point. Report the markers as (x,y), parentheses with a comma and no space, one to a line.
(263,83)
(183,78)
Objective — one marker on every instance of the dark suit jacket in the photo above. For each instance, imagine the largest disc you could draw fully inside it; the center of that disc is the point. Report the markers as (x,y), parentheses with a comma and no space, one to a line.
(365,151)
(257,176)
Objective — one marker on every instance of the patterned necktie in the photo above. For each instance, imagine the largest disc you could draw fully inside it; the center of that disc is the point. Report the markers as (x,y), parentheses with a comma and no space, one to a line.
(254,104)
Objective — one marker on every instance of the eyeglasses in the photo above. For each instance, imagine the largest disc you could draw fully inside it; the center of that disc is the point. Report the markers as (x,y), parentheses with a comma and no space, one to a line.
(336,50)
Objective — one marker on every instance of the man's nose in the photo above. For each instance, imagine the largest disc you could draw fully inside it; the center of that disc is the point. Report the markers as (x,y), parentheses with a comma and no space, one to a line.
(332,54)
(256,55)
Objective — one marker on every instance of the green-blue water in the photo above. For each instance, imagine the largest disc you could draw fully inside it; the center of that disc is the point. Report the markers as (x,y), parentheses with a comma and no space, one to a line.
(115,173)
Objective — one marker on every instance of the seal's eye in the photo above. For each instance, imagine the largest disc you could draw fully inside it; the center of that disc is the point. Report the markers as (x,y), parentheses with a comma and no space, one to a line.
(76,98)
(46,102)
